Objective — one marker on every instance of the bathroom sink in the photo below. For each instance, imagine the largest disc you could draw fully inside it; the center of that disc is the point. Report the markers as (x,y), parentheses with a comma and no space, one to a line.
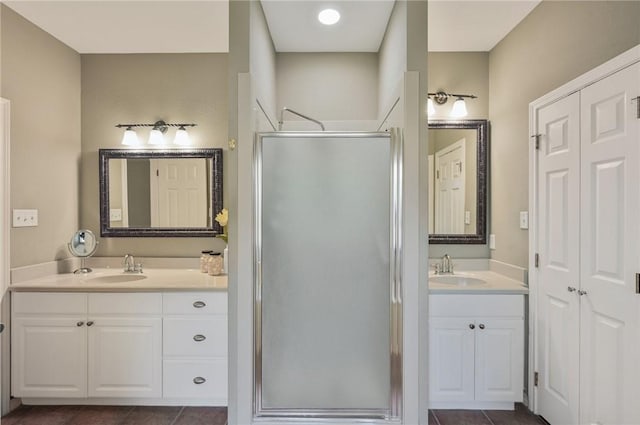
(458,280)
(118,278)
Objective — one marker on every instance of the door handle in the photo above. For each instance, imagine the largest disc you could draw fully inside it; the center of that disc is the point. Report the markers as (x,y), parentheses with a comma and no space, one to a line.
(1,327)
(581,292)
(79,324)
(481,326)
(571,289)
(472,326)
(199,338)
(90,323)
(199,304)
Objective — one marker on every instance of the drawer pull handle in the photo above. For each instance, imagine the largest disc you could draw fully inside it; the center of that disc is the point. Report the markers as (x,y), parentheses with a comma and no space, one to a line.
(79,324)
(90,323)
(199,304)
(199,380)
(481,326)
(472,326)
(199,338)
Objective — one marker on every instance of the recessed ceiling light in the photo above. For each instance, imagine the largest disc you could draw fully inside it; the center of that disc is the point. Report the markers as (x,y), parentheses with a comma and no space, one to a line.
(329,16)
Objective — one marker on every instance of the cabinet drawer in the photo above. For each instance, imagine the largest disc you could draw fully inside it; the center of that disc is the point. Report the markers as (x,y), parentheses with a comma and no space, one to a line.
(195,337)
(49,303)
(195,303)
(125,303)
(180,379)
(476,305)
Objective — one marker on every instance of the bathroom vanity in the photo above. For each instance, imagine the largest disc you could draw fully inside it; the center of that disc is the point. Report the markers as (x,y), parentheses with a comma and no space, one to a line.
(158,338)
(476,341)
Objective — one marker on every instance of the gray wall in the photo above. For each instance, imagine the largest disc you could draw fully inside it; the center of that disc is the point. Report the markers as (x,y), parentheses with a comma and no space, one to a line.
(262,64)
(392,58)
(41,78)
(463,73)
(144,88)
(328,86)
(555,43)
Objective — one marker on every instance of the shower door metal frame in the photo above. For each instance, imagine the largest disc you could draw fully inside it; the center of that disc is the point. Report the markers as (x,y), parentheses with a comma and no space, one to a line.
(394,412)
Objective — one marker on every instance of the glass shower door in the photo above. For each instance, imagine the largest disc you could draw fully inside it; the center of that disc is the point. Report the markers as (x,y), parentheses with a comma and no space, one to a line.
(327,334)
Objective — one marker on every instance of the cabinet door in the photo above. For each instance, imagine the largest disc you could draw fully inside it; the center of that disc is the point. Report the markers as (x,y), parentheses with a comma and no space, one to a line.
(451,352)
(125,357)
(499,359)
(49,357)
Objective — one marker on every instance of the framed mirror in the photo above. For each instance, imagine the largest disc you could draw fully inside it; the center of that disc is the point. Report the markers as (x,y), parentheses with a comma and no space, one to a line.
(147,193)
(458,181)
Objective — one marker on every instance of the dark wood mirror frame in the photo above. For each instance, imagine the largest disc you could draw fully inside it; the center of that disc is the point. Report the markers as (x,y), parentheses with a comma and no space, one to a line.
(215,183)
(482,129)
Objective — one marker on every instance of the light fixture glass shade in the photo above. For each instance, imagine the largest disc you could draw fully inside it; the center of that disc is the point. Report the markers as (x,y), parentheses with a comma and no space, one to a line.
(130,138)
(329,16)
(156,137)
(431,110)
(459,109)
(182,137)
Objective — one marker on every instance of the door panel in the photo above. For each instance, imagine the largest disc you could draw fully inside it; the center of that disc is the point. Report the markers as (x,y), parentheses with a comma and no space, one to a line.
(451,359)
(609,309)
(558,308)
(499,359)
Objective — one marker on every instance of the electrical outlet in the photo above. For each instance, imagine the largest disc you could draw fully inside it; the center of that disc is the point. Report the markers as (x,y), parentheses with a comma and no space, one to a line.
(492,241)
(25,218)
(524,219)
(115,214)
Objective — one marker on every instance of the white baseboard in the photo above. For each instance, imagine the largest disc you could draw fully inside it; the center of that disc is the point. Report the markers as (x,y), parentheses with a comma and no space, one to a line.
(124,402)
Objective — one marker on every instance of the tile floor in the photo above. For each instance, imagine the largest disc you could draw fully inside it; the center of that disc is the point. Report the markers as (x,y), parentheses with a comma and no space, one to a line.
(169,415)
(116,415)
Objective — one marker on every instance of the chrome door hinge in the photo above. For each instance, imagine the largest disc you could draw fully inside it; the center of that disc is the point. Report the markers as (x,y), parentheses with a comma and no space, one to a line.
(437,174)
(536,137)
(637,283)
(536,260)
(535,379)
(637,100)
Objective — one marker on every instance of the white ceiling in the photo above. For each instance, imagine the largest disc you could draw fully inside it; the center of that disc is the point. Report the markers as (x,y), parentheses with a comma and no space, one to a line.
(294,25)
(147,26)
(171,26)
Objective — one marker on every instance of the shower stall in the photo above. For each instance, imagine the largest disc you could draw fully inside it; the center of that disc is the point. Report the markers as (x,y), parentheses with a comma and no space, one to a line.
(327,264)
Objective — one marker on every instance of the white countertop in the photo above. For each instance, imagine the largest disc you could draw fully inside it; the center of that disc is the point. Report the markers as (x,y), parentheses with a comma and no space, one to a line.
(495,284)
(115,280)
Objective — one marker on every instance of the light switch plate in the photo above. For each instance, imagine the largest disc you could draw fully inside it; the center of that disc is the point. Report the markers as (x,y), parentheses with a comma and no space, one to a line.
(25,218)
(492,241)
(524,219)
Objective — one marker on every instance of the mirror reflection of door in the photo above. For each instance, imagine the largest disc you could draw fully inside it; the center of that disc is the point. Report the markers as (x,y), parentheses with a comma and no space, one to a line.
(179,192)
(450,188)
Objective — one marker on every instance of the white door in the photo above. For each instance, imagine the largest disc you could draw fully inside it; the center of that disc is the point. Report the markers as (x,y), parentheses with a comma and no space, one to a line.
(4,208)
(499,359)
(432,186)
(558,279)
(451,359)
(181,192)
(49,357)
(450,188)
(125,357)
(609,255)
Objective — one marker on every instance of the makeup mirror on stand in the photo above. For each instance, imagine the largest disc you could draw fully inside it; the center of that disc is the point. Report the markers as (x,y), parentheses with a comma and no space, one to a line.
(83,244)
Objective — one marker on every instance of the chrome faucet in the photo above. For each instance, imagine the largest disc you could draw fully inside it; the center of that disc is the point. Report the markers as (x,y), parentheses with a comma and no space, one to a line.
(130,266)
(446,266)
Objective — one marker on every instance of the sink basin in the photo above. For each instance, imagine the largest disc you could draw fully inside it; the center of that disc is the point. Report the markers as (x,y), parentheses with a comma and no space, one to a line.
(118,278)
(458,280)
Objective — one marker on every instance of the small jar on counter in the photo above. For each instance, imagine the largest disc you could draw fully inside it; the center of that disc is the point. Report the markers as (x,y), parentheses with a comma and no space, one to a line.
(214,264)
(204,261)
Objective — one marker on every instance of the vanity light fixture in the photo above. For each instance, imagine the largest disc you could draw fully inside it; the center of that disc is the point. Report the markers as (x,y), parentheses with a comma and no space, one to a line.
(329,16)
(459,109)
(156,135)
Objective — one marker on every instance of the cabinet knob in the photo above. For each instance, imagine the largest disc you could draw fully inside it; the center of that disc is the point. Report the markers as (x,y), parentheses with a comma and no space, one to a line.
(571,289)
(472,326)
(199,338)
(199,304)
(90,323)
(481,326)
(79,324)
(199,380)
(581,292)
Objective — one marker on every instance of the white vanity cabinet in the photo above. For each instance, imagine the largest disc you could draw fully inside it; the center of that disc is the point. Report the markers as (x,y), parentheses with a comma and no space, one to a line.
(78,345)
(476,351)
(195,347)
(120,347)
